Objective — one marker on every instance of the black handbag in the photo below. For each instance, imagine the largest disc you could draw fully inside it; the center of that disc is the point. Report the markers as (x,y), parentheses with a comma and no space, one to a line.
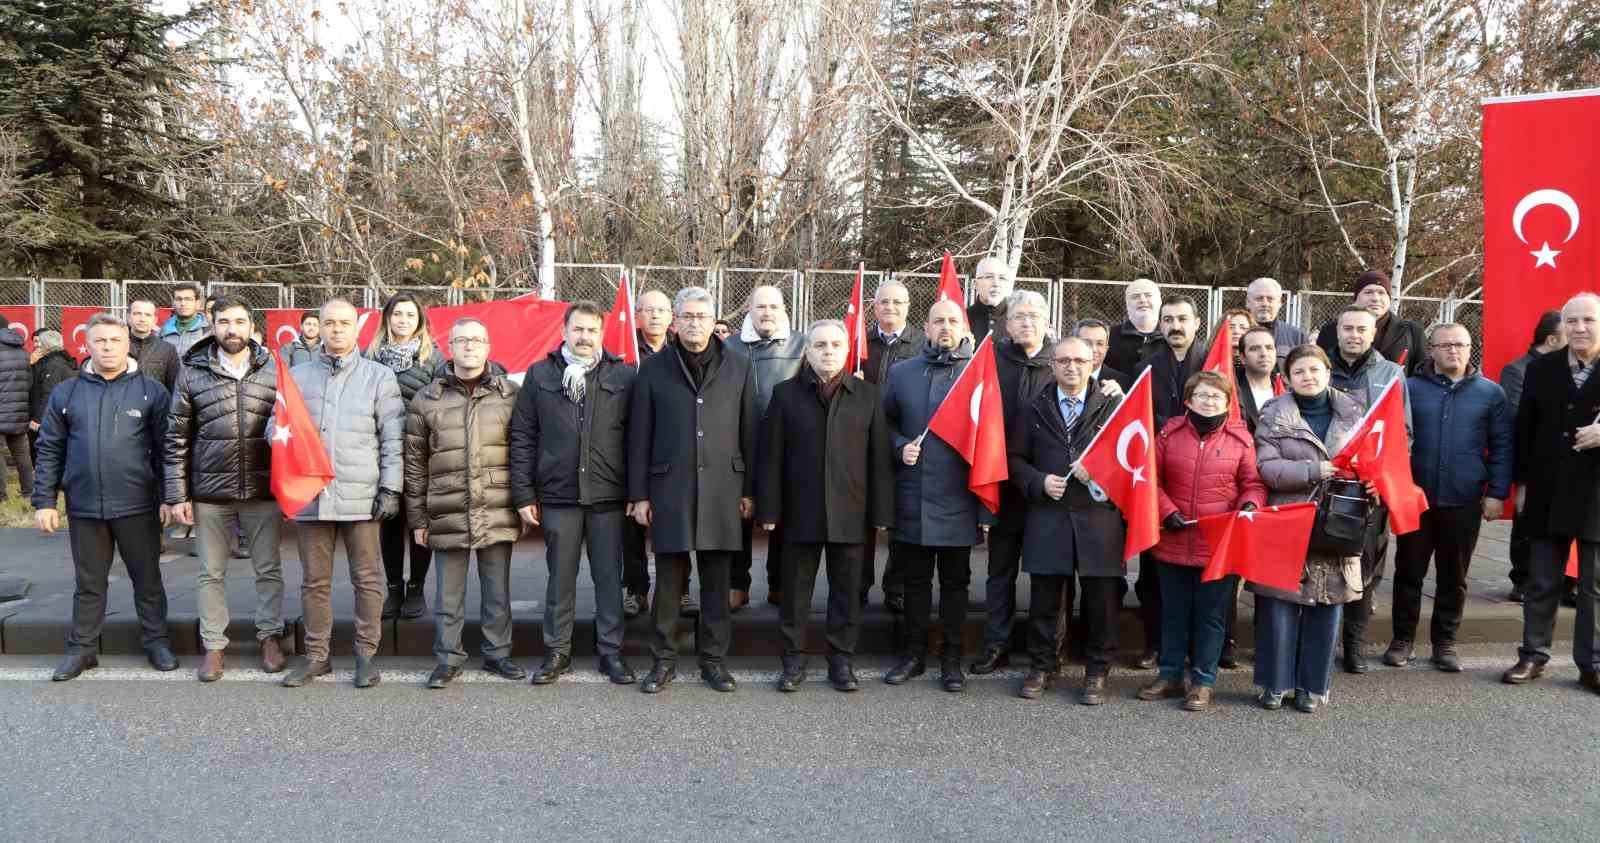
(1344,518)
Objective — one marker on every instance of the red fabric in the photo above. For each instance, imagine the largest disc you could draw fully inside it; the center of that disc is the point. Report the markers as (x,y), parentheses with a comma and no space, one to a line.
(620,338)
(1277,385)
(1127,471)
(1538,156)
(300,464)
(1201,477)
(855,325)
(521,331)
(1378,452)
(283,325)
(971,420)
(1220,360)
(1266,546)
(950,288)
(21,318)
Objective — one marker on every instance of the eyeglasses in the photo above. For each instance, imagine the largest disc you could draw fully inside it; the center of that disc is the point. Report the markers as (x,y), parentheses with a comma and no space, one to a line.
(1072,361)
(1027,318)
(695,317)
(469,342)
(1453,346)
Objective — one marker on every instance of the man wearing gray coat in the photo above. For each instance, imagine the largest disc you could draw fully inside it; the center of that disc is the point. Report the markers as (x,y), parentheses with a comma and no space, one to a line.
(775,355)
(355,404)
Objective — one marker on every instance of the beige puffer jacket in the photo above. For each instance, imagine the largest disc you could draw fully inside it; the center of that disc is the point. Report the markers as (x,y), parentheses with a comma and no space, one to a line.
(458,464)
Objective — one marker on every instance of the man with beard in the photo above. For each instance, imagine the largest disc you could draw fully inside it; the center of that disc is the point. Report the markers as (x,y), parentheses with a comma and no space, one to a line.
(1256,375)
(1398,340)
(1139,336)
(991,286)
(304,346)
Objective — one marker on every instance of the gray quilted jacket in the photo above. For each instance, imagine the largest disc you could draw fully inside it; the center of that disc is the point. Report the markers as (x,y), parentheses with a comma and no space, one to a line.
(355,404)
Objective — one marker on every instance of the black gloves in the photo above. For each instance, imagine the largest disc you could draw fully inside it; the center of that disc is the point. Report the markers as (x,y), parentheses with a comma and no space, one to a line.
(1249,506)
(1174,522)
(386,505)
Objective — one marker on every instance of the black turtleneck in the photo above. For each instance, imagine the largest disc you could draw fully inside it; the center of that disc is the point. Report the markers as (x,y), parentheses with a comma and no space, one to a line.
(1206,425)
(699,363)
(1317,410)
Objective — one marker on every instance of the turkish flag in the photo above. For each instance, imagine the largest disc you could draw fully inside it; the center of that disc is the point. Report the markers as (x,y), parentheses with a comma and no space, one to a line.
(620,337)
(950,287)
(1127,472)
(301,467)
(1264,546)
(282,325)
(970,419)
(855,325)
(21,318)
(1220,360)
(74,327)
(1539,182)
(1378,452)
(520,330)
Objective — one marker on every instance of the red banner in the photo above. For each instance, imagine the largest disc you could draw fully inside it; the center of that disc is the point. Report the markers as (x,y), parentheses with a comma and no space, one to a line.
(21,318)
(283,325)
(1539,182)
(520,331)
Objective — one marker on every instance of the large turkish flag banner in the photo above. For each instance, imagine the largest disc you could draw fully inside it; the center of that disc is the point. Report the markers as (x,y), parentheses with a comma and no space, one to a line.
(1541,213)
(21,318)
(283,325)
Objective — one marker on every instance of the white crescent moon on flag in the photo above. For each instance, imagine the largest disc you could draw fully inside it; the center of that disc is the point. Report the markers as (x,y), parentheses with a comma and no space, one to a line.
(278,336)
(977,403)
(1132,430)
(1377,430)
(1545,196)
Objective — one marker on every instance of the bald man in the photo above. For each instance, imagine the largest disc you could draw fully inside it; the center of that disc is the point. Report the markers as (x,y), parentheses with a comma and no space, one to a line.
(1264,299)
(991,286)
(1139,336)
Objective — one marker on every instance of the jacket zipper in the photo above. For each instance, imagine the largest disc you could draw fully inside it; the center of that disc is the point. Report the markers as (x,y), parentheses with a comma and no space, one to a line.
(466,421)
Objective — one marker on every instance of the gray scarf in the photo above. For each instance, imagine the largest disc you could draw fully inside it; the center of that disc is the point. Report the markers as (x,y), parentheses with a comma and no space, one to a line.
(400,356)
(572,378)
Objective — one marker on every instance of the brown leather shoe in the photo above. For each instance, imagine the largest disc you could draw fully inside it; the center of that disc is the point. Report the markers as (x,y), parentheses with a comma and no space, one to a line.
(1523,672)
(1093,691)
(775,598)
(272,659)
(1198,699)
(738,599)
(211,667)
(1161,689)
(1590,679)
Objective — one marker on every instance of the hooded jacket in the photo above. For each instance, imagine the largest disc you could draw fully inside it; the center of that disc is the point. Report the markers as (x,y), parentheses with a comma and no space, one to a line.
(100,442)
(16,381)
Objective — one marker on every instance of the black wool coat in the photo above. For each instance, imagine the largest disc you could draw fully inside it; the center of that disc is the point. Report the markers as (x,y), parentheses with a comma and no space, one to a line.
(1563,485)
(567,454)
(1022,378)
(1077,534)
(691,450)
(827,474)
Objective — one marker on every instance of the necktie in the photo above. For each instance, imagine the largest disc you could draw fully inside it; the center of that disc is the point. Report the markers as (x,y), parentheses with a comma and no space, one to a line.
(1069,412)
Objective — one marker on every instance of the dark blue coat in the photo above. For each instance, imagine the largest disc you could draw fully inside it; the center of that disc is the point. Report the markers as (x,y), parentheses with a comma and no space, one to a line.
(932,505)
(100,442)
(1462,445)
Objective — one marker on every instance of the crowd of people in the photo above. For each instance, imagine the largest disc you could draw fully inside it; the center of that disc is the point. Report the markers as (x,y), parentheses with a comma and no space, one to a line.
(723,428)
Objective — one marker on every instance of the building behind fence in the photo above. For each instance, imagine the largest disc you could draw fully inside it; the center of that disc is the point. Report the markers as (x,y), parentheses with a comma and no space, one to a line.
(811,294)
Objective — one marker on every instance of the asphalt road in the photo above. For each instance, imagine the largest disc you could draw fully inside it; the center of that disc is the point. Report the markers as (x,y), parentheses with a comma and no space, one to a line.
(1400,754)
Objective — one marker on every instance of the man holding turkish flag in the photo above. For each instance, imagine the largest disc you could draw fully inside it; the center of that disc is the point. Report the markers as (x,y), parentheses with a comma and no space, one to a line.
(1123,465)
(1379,454)
(970,419)
(619,337)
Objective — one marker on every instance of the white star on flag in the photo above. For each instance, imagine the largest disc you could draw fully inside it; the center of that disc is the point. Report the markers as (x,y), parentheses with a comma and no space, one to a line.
(280,433)
(1545,256)
(1248,515)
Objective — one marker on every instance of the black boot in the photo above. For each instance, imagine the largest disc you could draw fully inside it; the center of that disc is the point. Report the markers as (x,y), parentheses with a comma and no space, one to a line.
(414,606)
(392,601)
(909,668)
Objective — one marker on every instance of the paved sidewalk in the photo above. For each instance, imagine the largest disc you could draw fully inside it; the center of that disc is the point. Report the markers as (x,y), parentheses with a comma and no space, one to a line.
(38,622)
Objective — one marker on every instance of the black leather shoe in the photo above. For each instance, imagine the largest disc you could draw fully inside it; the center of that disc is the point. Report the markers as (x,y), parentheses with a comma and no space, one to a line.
(161,657)
(952,678)
(1515,595)
(392,600)
(1093,691)
(74,665)
(1523,672)
(718,678)
(1399,654)
(659,677)
(1230,655)
(304,671)
(554,665)
(793,675)
(415,605)
(1305,703)
(1036,683)
(1445,657)
(1355,661)
(843,677)
(895,603)
(1148,661)
(443,675)
(367,673)
(505,669)
(617,670)
(1589,679)
(906,670)
(993,659)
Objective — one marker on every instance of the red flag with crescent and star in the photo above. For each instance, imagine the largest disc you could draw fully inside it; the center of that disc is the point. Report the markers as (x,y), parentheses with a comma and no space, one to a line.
(1541,197)
(1220,360)
(1121,459)
(950,288)
(970,419)
(620,338)
(1379,452)
(855,325)
(1265,546)
(300,464)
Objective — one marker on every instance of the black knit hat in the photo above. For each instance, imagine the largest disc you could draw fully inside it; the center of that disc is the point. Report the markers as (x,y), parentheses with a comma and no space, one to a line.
(1367,279)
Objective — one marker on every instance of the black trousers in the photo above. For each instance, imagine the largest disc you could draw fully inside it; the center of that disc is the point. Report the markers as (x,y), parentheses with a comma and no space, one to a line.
(715,628)
(21,454)
(1546,574)
(739,579)
(635,562)
(954,565)
(394,539)
(1520,549)
(800,561)
(1148,587)
(1374,557)
(1051,604)
(1000,588)
(137,539)
(1448,535)
(893,580)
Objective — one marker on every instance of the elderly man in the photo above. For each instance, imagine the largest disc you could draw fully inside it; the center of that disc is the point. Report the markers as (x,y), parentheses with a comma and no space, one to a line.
(1395,338)
(889,341)
(691,450)
(157,358)
(936,516)
(101,444)
(187,325)
(1548,337)
(1070,533)
(653,315)
(51,364)
(1557,470)
(355,403)
(458,449)
(219,473)
(1098,335)
(1462,461)
(991,287)
(1140,335)
(569,472)
(775,356)
(827,478)
(1361,372)
(1264,299)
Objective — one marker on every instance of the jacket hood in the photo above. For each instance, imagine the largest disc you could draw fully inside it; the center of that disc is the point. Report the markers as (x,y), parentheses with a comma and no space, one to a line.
(942,357)
(200,354)
(86,370)
(748,335)
(172,324)
(9,336)
(494,377)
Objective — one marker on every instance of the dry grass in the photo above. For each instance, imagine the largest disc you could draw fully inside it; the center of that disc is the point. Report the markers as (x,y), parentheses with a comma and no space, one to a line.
(15,510)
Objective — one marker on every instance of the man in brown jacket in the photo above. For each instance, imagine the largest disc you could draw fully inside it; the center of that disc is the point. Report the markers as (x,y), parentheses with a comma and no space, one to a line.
(458,501)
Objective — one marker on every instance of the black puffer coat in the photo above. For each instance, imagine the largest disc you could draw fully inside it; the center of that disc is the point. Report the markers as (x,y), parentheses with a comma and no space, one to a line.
(49,370)
(157,358)
(218,449)
(16,381)
(458,463)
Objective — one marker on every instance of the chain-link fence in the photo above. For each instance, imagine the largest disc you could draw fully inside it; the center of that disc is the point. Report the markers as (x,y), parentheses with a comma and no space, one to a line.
(428,296)
(671,279)
(55,294)
(1469,314)
(826,293)
(1083,298)
(258,296)
(596,282)
(313,296)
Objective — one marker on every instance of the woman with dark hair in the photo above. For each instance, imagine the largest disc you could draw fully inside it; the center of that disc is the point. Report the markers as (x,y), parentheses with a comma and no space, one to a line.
(404,343)
(1297,436)
(722,328)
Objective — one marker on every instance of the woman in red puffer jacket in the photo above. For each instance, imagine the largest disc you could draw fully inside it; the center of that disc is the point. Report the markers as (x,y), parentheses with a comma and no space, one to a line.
(1206,463)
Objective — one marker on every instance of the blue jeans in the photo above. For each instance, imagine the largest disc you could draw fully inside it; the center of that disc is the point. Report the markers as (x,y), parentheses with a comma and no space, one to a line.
(1294,646)
(1193,615)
